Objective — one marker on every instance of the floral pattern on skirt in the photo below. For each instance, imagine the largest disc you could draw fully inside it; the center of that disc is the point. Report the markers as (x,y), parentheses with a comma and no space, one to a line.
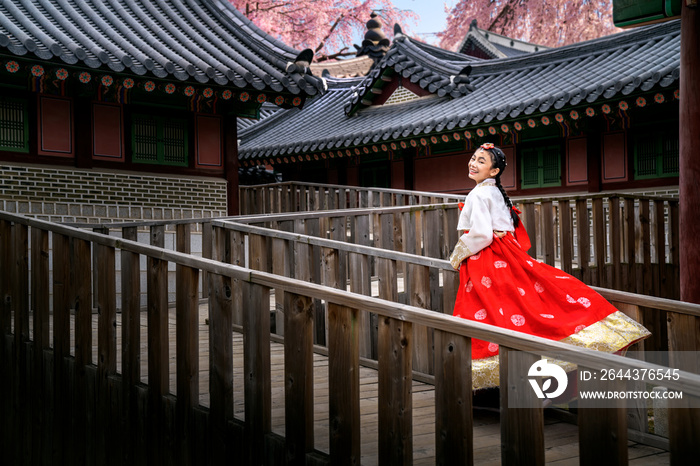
(503,286)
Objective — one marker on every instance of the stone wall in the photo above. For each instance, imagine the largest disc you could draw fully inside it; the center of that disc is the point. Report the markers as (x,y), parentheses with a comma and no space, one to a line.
(90,196)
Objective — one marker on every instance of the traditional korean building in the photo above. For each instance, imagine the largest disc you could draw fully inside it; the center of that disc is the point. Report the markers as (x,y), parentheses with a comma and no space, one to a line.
(481,43)
(117,109)
(593,116)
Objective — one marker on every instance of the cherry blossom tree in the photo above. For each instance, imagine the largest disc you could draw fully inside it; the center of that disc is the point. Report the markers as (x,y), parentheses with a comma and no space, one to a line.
(325,26)
(545,22)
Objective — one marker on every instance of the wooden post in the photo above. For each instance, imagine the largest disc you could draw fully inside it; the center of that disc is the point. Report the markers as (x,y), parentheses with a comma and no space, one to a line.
(395,400)
(686,448)
(599,236)
(602,426)
(158,373)
(548,232)
(567,244)
(531,228)
(81,262)
(454,428)
(187,348)
(615,246)
(220,352)
(519,407)
(422,335)
(344,385)
(256,366)
(299,377)
(40,305)
(20,305)
(631,244)
(584,239)
(61,343)
(131,343)
(107,350)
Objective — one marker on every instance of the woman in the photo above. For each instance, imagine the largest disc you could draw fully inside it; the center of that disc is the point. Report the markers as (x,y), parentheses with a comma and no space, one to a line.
(500,284)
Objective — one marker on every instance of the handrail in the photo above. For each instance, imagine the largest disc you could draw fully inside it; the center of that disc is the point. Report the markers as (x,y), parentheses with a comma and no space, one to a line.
(687,382)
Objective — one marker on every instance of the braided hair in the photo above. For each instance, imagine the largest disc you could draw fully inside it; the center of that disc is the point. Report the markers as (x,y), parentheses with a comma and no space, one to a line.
(498,160)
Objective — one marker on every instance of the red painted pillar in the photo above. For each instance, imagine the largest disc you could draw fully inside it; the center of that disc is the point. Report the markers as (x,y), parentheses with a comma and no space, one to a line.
(231,164)
(690,154)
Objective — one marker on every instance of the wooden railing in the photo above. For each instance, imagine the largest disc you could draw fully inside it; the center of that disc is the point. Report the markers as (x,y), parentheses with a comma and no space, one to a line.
(60,400)
(623,242)
(294,196)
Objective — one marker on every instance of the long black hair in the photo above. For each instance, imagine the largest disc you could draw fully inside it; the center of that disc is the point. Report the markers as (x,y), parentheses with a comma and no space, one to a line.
(498,160)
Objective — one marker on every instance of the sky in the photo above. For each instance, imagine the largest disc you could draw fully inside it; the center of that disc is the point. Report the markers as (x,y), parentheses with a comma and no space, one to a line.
(432,17)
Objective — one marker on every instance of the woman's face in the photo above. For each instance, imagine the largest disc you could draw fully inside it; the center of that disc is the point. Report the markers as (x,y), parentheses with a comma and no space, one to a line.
(480,166)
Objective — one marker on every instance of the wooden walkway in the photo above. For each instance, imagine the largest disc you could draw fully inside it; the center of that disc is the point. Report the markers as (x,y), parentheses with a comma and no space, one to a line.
(561,438)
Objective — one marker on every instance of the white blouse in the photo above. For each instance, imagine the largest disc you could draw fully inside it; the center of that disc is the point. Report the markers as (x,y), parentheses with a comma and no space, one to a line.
(484,212)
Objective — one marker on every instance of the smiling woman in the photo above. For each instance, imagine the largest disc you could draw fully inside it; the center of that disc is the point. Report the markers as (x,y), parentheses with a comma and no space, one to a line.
(501,285)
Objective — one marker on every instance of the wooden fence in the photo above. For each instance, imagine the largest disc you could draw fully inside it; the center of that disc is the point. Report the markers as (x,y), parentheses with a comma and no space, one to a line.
(61,399)
(624,242)
(293,196)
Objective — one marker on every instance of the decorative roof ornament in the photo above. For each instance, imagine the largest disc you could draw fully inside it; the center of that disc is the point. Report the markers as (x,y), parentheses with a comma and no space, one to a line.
(376,44)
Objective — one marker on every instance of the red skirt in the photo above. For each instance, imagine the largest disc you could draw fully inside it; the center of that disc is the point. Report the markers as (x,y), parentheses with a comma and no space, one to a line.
(503,286)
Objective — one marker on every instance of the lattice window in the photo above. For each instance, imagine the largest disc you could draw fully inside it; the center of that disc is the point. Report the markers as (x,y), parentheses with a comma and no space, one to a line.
(14,127)
(541,167)
(159,140)
(656,154)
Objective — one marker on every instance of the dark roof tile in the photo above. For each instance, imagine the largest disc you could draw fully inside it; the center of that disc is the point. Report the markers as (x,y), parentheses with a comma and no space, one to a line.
(204,40)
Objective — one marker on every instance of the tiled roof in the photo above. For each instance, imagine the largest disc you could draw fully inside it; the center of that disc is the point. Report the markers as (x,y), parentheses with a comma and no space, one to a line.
(350,68)
(495,45)
(203,40)
(435,70)
(641,60)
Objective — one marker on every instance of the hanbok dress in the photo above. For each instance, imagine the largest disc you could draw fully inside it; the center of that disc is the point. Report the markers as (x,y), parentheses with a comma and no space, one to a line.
(500,284)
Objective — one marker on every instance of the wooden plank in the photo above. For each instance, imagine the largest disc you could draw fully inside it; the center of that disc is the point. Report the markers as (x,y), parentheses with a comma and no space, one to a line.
(631,249)
(599,236)
(615,243)
(206,250)
(661,284)
(645,241)
(20,285)
(313,228)
(256,366)
(434,239)
(674,243)
(344,385)
(237,251)
(420,296)
(338,233)
(220,365)
(548,232)
(567,244)
(453,400)
(61,342)
(6,249)
(520,407)
(531,227)
(187,351)
(20,305)
(583,238)
(41,327)
(360,283)
(131,340)
(298,374)
(81,297)
(395,417)
(602,425)
(107,345)
(158,348)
